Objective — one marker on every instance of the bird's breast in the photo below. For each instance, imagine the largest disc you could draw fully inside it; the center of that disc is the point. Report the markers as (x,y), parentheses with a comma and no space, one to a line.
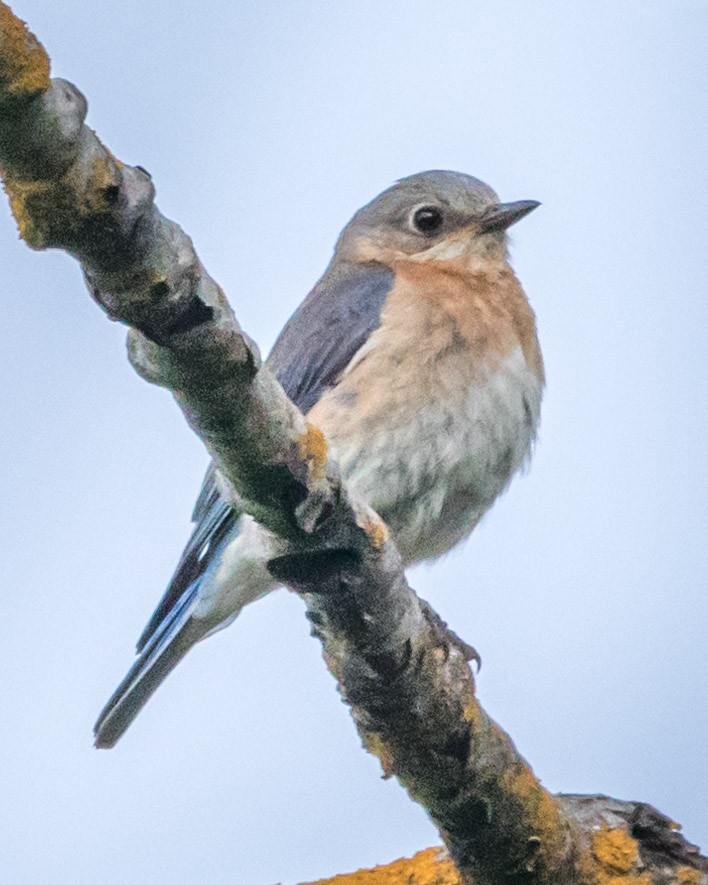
(439,408)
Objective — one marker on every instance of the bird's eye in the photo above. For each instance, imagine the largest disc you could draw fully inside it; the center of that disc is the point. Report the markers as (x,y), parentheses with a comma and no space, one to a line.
(427,220)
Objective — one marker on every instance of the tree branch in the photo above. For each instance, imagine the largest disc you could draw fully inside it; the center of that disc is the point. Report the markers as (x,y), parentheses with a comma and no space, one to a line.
(631,844)
(404,675)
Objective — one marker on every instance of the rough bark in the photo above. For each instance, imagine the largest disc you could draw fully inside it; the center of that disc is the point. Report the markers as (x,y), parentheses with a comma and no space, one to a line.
(405,676)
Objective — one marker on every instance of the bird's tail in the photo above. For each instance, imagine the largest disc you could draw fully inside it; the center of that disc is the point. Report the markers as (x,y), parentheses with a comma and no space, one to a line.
(178,632)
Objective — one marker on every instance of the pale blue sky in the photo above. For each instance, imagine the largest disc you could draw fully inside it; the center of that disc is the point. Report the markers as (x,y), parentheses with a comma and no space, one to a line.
(265,125)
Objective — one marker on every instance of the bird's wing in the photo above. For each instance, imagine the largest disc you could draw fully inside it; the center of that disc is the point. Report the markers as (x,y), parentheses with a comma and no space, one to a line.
(312,351)
(328,328)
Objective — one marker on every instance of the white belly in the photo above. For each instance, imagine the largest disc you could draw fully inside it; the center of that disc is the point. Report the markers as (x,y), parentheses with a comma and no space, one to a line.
(431,460)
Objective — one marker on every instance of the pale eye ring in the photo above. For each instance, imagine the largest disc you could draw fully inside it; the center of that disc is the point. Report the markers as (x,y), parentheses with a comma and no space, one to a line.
(426,220)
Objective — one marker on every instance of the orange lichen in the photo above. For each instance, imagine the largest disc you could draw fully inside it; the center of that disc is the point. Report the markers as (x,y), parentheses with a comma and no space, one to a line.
(29,202)
(538,807)
(375,528)
(603,878)
(616,859)
(48,208)
(615,849)
(429,867)
(24,65)
(103,177)
(472,713)
(312,447)
(688,876)
(47,211)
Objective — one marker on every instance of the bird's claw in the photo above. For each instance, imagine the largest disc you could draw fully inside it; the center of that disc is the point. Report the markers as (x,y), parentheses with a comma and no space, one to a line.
(447,636)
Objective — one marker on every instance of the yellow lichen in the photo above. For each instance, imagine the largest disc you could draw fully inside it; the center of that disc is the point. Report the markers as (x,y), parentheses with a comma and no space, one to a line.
(429,867)
(312,447)
(24,65)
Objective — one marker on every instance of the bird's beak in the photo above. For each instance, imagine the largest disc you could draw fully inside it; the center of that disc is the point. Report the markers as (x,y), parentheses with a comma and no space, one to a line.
(503,215)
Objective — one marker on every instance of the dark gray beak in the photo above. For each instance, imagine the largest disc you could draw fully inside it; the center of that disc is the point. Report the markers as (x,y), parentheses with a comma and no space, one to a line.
(503,215)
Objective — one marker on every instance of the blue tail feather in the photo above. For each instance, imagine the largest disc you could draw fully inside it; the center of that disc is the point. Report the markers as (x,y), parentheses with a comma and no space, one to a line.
(176,634)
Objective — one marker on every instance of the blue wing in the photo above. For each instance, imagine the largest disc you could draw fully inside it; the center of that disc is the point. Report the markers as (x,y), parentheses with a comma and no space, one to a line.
(328,328)
(309,356)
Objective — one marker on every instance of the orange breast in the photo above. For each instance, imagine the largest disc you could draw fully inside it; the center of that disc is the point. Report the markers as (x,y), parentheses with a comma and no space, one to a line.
(487,308)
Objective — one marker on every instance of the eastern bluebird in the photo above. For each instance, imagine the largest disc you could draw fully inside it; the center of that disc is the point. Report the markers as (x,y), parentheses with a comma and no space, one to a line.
(416,354)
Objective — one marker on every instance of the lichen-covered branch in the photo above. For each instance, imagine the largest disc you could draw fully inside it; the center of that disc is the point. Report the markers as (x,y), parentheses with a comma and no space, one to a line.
(405,676)
(631,843)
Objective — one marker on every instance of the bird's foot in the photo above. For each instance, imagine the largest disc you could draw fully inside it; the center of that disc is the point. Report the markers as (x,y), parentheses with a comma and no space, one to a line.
(447,635)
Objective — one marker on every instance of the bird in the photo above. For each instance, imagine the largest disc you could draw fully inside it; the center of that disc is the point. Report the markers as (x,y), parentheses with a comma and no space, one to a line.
(417,355)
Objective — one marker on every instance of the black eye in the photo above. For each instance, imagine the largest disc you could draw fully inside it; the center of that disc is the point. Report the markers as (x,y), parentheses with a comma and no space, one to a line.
(427,219)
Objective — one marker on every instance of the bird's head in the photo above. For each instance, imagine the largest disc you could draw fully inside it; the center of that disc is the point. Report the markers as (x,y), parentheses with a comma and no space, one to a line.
(435,214)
